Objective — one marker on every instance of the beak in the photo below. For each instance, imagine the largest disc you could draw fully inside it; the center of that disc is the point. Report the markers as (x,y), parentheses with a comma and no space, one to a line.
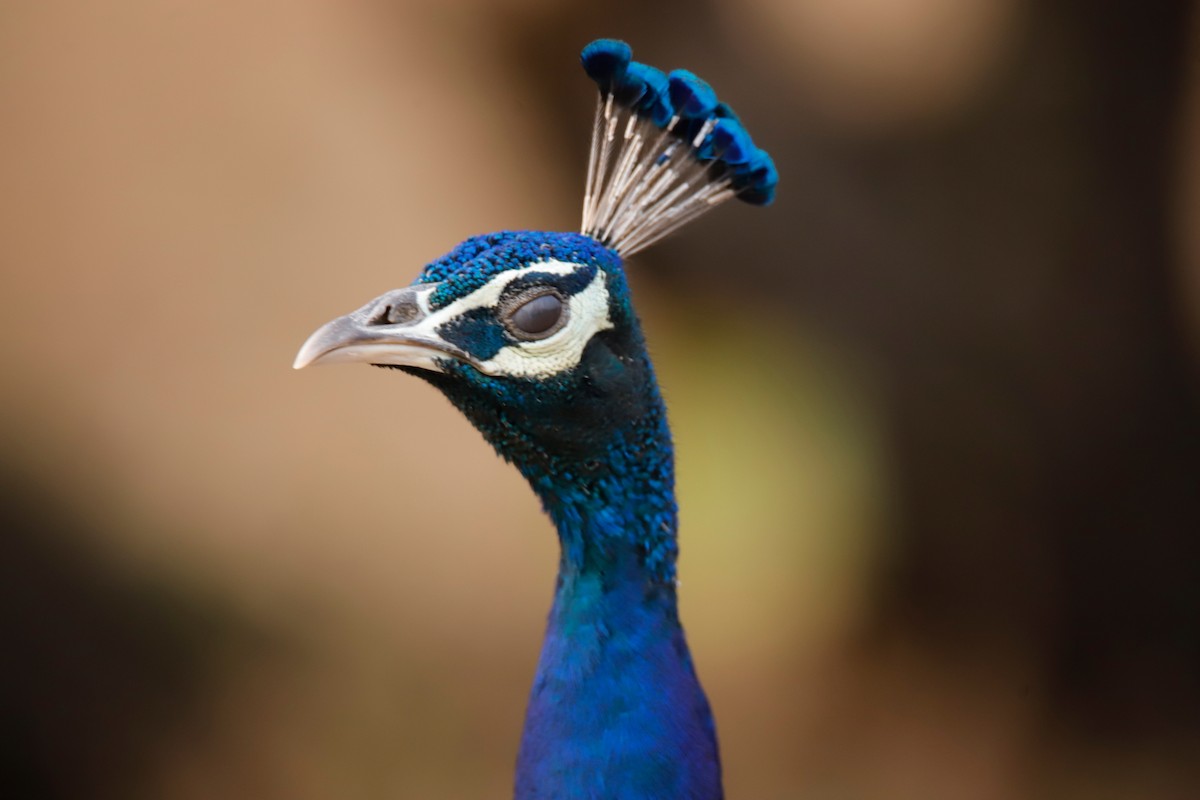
(394,329)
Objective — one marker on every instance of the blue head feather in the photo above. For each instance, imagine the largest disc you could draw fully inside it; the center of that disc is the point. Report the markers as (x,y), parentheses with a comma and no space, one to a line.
(654,99)
(694,101)
(758,177)
(732,142)
(691,96)
(605,61)
(729,142)
(725,111)
(475,261)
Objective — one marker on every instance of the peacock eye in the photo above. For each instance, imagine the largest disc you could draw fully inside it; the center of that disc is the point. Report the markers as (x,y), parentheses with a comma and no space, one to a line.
(537,317)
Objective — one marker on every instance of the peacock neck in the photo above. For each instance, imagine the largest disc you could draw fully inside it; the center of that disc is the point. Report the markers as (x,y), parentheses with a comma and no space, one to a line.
(616,501)
(616,709)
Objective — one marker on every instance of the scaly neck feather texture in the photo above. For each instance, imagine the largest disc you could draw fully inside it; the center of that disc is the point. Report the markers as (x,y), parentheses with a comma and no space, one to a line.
(616,710)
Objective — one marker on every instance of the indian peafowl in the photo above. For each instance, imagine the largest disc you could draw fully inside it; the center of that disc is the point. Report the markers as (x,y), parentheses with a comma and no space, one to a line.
(533,337)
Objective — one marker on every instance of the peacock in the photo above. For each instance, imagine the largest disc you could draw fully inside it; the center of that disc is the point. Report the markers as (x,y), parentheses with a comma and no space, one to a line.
(533,336)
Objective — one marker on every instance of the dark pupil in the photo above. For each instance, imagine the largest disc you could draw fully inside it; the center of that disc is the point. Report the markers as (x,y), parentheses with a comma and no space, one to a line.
(538,315)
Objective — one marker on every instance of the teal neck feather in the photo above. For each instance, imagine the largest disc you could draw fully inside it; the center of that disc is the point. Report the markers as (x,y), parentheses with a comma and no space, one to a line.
(616,709)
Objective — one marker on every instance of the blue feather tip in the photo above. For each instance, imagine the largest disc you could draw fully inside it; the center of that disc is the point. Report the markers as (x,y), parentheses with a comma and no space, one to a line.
(687,107)
(605,62)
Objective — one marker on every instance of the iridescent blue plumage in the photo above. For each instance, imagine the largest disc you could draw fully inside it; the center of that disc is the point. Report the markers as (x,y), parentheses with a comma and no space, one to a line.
(605,61)
(533,336)
(616,709)
(691,96)
(648,90)
(475,261)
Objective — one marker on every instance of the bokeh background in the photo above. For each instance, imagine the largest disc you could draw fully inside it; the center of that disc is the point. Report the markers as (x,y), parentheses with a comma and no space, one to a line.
(936,408)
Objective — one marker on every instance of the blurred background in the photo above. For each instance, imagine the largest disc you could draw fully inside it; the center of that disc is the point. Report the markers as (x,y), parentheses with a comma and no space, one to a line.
(936,408)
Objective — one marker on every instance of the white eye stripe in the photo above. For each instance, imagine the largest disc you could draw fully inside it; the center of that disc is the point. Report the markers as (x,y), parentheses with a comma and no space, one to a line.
(488,295)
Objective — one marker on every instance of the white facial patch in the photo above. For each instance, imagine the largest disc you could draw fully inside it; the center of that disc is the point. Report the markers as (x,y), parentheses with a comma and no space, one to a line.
(587,315)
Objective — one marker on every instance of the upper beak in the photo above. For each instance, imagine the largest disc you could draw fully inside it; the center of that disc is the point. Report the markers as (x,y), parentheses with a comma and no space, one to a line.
(394,328)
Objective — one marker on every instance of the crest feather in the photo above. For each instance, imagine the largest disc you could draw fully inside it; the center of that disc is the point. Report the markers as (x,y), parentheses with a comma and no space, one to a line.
(664,151)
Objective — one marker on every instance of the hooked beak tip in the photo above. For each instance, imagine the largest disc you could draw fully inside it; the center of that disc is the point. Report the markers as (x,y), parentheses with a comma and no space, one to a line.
(314,347)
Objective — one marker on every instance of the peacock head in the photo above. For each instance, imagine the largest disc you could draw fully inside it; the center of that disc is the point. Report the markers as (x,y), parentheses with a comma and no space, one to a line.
(532,335)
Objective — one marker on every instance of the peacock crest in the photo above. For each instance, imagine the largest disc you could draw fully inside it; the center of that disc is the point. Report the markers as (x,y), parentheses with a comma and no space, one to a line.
(664,152)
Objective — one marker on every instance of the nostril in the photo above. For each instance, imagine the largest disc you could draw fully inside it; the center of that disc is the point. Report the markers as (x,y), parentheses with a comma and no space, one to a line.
(399,313)
(380,317)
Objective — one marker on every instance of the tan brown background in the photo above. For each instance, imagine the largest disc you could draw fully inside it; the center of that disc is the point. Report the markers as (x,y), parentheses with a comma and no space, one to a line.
(227,579)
